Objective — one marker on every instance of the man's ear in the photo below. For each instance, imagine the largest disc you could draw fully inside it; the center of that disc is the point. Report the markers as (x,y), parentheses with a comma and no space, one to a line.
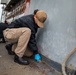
(34,16)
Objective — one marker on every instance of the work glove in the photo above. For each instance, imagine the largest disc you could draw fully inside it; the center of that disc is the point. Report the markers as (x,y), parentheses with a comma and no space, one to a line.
(37,57)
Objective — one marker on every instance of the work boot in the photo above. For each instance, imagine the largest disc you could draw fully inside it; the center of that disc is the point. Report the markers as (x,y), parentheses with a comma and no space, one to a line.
(9,49)
(20,60)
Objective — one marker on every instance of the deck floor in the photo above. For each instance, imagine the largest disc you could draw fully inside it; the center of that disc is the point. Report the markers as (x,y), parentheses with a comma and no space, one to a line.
(9,67)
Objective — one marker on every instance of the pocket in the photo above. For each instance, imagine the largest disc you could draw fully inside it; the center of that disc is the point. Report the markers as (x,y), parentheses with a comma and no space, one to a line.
(9,34)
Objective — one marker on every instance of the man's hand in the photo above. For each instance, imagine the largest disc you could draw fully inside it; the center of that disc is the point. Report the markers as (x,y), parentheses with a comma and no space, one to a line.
(37,57)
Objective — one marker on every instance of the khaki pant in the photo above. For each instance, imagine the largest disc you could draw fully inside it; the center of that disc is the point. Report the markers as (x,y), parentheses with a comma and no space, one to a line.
(20,37)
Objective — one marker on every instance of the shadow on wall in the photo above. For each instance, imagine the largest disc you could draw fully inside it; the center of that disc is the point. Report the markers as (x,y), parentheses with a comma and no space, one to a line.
(41,31)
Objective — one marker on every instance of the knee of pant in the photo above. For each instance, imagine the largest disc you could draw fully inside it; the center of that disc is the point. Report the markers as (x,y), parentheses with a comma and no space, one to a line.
(29,31)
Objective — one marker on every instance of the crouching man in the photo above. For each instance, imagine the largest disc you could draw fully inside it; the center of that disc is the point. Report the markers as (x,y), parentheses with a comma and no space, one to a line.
(21,33)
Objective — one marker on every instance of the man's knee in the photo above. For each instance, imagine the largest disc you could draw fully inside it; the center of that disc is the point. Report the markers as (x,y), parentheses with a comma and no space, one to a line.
(27,30)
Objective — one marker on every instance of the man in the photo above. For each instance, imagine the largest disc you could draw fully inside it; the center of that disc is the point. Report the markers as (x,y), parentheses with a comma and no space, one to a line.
(22,32)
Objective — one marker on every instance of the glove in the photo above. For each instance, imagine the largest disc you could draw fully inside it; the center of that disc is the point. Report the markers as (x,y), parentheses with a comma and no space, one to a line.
(37,57)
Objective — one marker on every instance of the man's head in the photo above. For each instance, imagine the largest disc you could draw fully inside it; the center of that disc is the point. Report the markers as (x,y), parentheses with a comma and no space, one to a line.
(40,17)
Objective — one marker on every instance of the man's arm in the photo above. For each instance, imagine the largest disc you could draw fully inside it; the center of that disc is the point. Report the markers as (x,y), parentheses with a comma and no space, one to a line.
(34,48)
(15,24)
(33,44)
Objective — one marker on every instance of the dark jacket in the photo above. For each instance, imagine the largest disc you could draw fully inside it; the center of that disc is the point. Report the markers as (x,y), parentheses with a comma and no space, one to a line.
(27,21)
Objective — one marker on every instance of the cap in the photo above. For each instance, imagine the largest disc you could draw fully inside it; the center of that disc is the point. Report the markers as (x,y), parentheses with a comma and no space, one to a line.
(41,17)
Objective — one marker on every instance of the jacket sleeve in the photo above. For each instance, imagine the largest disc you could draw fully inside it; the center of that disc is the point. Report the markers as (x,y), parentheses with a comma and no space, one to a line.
(15,24)
(32,43)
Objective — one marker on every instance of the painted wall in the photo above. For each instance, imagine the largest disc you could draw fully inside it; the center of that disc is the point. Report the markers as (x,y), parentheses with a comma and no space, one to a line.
(4,1)
(58,37)
(0,12)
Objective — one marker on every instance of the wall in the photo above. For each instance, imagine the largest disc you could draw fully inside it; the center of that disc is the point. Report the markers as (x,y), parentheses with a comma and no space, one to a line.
(58,37)
(4,1)
(1,12)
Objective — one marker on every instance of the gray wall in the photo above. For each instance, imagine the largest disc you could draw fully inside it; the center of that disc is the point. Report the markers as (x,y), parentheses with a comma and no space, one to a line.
(58,37)
(4,1)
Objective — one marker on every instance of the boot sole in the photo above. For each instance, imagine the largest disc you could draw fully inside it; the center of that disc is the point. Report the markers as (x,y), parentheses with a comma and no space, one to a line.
(20,62)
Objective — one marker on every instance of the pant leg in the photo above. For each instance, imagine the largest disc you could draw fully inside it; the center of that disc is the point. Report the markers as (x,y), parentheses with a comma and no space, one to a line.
(22,35)
(22,42)
(12,35)
(27,53)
